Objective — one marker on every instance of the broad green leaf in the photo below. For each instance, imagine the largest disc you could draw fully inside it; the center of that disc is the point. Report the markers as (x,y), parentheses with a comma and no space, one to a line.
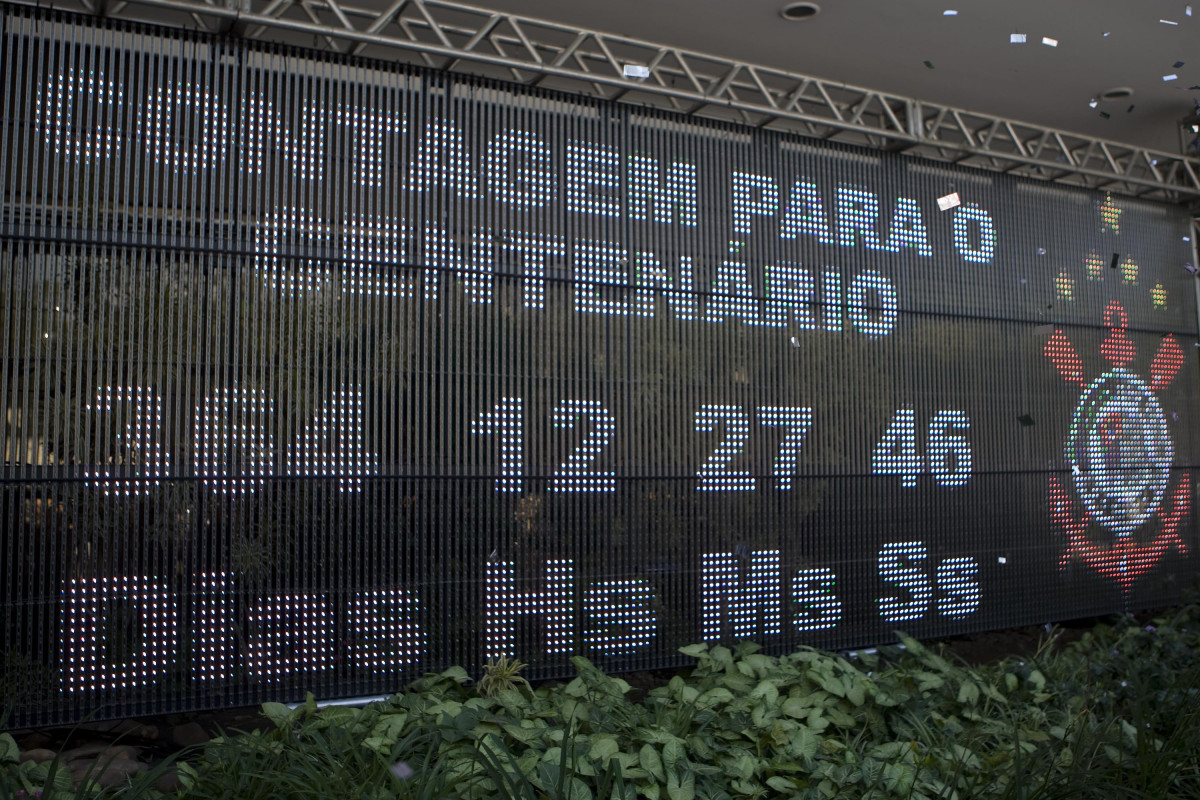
(577,790)
(457,674)
(929,681)
(694,650)
(797,707)
(768,691)
(603,748)
(1010,681)
(278,713)
(9,752)
(781,784)
(968,693)
(827,681)
(722,659)
(651,762)
(718,695)
(673,754)
(745,766)
(804,744)
(681,786)
(856,690)
(1038,680)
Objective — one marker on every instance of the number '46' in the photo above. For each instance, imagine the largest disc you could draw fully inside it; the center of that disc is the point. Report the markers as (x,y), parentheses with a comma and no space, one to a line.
(948,453)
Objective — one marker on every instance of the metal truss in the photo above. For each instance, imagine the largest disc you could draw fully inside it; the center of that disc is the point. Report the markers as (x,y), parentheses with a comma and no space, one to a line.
(452,36)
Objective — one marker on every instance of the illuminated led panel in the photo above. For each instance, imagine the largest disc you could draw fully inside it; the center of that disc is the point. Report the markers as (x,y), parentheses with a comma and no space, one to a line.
(139,447)
(860,313)
(289,634)
(93,609)
(599,264)
(663,198)
(386,634)
(971,216)
(903,566)
(592,177)
(232,432)
(795,422)
(958,581)
(574,475)
(60,101)
(553,606)
(520,169)
(817,605)
(291,276)
(213,625)
(332,444)
(507,420)
(619,616)
(715,475)
(741,599)
(374,253)
(184,127)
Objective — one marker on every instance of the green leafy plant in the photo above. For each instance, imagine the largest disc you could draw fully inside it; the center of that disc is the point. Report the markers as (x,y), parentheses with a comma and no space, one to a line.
(501,674)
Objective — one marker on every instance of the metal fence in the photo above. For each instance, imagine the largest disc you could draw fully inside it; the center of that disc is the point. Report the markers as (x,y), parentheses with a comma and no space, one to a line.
(321,373)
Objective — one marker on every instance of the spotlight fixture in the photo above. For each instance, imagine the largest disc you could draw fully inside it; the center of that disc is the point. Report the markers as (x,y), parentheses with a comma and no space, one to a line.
(799,11)
(1117,93)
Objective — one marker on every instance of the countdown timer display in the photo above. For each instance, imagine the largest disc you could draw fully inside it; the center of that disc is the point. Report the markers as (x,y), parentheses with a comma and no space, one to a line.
(320,374)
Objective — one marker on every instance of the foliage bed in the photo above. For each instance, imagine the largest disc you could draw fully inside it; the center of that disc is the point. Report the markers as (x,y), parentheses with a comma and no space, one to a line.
(1113,715)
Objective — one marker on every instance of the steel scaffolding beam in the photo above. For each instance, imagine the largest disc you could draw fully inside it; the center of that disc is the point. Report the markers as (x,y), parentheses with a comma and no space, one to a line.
(453,36)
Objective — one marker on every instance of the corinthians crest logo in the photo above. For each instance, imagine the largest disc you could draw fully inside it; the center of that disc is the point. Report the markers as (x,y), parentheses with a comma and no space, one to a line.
(1118,510)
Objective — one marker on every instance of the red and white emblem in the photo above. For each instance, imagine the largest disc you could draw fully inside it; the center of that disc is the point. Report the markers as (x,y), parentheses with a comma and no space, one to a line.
(1120,454)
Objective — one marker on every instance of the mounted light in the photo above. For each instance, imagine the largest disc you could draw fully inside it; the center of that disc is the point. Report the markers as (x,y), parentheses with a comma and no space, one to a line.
(798,11)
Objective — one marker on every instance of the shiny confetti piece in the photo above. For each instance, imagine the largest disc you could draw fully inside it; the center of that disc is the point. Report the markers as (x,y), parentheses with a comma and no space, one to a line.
(1016,38)
(795,342)
(1116,259)
(1187,10)
(1041,251)
(1177,64)
(1001,560)
(1168,22)
(1046,40)
(1093,103)
(1106,34)
(949,201)
(929,64)
(1027,420)
(401,770)
(1171,77)
(1128,110)
(1105,114)
(949,12)
(1188,266)
(636,71)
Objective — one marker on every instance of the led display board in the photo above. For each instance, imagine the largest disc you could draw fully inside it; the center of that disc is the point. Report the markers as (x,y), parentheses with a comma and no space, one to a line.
(321,373)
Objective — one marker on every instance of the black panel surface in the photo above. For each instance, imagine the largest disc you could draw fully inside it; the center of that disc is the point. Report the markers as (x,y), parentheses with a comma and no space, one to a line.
(319,374)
